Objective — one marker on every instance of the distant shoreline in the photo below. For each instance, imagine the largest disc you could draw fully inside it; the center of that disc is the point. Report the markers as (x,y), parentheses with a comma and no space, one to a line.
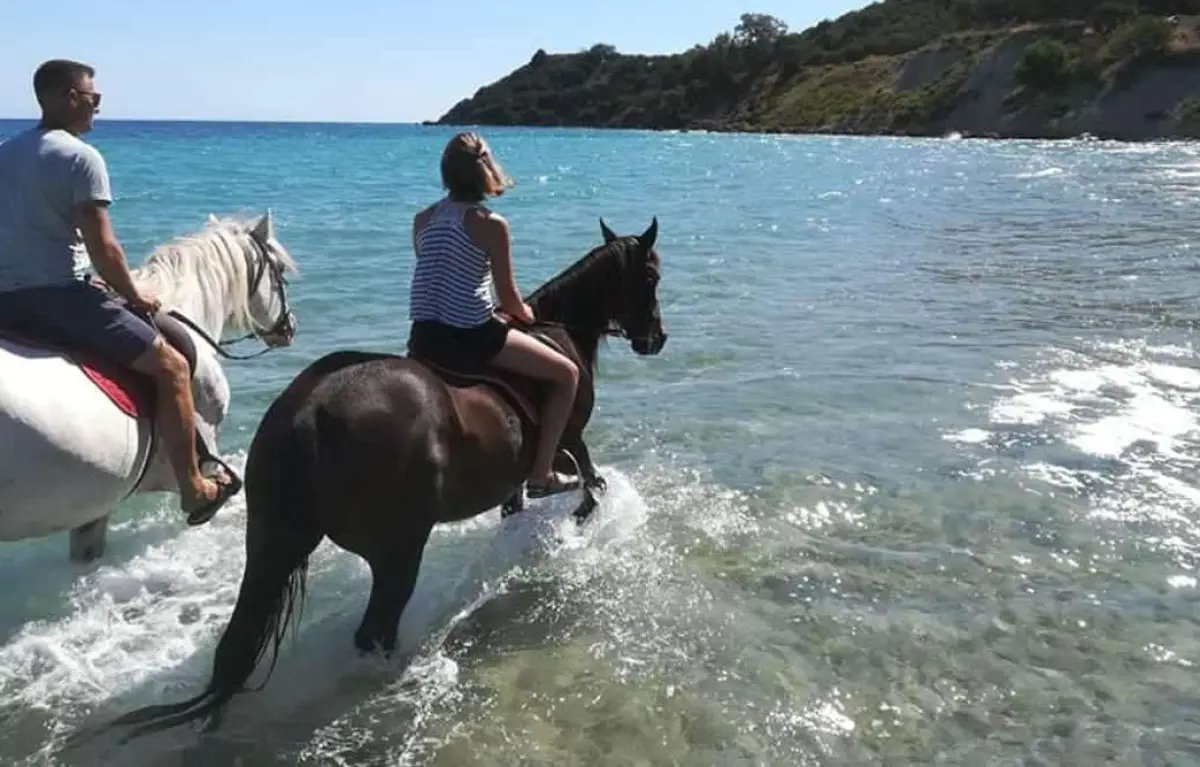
(951,136)
(897,69)
(223,121)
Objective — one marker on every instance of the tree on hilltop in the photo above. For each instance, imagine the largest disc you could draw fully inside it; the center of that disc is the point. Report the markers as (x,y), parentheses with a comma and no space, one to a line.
(758,30)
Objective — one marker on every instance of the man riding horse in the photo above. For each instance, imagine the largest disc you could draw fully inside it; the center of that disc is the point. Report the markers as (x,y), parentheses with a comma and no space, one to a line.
(54,221)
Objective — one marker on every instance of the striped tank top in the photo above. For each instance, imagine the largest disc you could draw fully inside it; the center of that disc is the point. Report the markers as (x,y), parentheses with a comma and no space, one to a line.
(452,282)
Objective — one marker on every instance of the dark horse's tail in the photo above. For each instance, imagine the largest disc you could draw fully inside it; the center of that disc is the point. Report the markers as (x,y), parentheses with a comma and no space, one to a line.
(281,533)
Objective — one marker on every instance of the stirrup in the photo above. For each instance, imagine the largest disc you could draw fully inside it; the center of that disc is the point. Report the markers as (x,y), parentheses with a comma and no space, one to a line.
(226,489)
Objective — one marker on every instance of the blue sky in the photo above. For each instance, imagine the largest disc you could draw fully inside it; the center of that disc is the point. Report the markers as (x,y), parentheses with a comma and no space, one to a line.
(336,60)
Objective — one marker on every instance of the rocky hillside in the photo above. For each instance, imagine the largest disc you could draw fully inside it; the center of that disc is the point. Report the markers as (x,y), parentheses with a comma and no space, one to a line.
(1004,68)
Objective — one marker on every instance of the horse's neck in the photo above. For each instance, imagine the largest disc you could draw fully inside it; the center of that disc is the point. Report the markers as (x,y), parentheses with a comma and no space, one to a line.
(189,299)
(192,304)
(581,303)
(579,318)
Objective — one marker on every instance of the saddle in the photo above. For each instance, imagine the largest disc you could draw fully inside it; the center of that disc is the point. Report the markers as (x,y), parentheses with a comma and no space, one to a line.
(132,392)
(524,394)
(135,395)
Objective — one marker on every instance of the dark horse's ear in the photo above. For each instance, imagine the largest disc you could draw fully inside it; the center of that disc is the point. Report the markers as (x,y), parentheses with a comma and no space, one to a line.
(647,238)
(609,235)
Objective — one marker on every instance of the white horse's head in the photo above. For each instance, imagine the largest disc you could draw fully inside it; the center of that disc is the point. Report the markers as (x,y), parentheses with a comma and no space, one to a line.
(268,314)
(231,275)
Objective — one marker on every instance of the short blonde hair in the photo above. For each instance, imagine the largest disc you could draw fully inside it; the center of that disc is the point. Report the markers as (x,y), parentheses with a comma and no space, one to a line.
(470,171)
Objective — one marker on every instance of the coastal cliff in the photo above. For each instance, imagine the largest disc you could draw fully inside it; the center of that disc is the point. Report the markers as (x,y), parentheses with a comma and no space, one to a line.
(1000,68)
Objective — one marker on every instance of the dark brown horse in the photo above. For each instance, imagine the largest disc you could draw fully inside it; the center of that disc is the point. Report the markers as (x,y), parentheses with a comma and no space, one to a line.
(373,450)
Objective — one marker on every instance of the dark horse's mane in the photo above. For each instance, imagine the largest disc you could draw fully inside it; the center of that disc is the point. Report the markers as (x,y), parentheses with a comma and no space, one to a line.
(581,298)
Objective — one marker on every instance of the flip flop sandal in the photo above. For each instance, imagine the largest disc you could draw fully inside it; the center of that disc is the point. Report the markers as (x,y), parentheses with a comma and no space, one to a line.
(557,484)
(206,512)
(227,490)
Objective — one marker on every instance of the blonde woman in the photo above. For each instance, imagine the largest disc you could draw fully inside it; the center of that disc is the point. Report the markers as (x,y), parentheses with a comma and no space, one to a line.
(463,252)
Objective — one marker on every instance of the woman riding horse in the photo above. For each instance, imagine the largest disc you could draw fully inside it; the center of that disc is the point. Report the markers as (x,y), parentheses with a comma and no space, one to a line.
(373,450)
(463,249)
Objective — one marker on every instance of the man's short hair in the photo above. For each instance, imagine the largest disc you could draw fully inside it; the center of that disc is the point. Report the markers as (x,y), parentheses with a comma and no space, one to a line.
(58,76)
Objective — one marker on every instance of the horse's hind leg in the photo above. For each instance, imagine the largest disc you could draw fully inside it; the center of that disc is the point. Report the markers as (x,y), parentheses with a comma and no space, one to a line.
(89,541)
(394,567)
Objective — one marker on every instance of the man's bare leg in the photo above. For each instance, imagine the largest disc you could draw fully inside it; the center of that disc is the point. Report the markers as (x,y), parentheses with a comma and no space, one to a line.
(176,418)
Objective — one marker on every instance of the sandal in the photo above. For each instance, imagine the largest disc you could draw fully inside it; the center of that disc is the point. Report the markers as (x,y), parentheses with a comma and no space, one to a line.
(226,490)
(558,484)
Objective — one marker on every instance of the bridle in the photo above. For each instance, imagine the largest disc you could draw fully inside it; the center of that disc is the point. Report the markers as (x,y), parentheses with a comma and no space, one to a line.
(614,327)
(263,264)
(616,330)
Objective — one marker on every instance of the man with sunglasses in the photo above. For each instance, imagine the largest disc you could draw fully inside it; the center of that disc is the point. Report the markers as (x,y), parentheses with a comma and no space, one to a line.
(54,198)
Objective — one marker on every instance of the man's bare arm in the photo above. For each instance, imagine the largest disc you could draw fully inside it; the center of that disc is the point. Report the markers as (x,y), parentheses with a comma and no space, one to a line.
(107,256)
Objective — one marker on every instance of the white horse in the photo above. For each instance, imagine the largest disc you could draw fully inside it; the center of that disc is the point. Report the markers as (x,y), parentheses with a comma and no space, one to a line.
(68,453)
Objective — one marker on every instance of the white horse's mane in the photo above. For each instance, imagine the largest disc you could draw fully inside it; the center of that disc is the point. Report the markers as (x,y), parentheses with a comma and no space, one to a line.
(214,260)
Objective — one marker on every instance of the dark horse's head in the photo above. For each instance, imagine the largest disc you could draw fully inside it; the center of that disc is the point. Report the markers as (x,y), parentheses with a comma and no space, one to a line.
(613,290)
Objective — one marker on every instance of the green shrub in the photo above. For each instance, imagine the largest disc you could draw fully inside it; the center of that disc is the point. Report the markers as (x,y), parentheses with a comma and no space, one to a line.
(1045,65)
(1187,112)
(1143,37)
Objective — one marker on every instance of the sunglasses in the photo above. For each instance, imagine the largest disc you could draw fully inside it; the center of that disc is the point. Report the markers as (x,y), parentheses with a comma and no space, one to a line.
(94,96)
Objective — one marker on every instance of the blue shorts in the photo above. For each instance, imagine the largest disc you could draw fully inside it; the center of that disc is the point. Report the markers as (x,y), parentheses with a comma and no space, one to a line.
(79,317)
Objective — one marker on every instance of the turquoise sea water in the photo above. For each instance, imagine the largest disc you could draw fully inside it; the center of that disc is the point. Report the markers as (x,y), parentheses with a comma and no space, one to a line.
(912,482)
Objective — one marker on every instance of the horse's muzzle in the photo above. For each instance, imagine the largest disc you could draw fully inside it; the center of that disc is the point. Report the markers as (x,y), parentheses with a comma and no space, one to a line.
(651,345)
(284,332)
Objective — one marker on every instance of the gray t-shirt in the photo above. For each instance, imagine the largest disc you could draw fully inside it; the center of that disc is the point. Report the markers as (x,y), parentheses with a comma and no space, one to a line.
(43,176)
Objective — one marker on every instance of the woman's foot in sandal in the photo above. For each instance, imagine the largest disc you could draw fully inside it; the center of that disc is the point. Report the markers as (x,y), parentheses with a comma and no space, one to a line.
(552,484)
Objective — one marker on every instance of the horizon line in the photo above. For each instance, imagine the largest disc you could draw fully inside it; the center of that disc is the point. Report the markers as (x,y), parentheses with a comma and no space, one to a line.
(238,120)
(389,123)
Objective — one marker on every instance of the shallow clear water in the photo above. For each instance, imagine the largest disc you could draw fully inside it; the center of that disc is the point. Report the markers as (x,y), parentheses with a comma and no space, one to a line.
(912,481)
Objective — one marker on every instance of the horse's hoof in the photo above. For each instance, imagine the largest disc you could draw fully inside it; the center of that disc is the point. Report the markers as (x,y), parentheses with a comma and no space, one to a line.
(214,722)
(597,484)
(373,647)
(364,644)
(585,510)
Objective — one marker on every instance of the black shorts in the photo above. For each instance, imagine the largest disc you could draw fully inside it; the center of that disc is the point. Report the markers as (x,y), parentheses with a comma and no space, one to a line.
(466,350)
(80,317)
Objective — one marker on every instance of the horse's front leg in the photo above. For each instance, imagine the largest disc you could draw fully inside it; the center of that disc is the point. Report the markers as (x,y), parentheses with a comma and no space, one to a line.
(88,542)
(514,505)
(591,478)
